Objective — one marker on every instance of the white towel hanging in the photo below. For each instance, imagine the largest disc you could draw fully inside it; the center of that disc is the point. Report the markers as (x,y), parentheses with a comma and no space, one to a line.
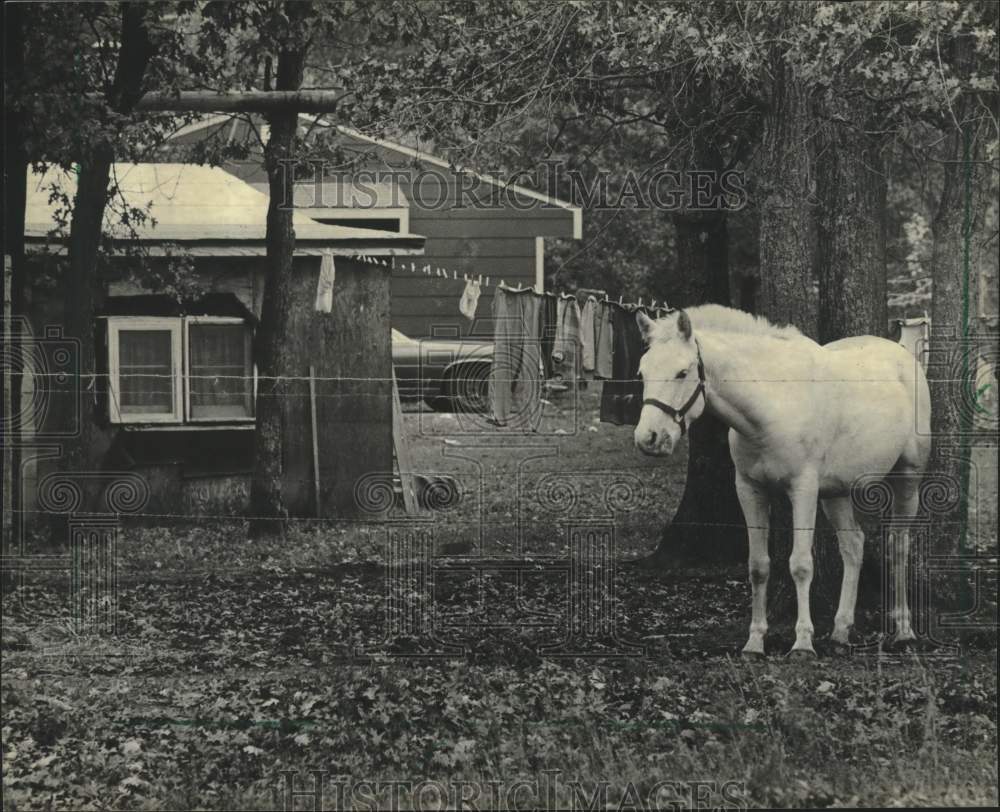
(324,285)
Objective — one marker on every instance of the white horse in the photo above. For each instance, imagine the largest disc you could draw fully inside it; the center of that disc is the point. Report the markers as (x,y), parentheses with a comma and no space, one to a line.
(804,420)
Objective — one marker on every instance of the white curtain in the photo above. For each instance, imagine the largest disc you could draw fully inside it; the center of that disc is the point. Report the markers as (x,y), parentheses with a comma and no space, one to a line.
(220,373)
(145,369)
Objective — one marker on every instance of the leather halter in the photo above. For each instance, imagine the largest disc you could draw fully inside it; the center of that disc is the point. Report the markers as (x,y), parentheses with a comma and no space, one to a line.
(677,415)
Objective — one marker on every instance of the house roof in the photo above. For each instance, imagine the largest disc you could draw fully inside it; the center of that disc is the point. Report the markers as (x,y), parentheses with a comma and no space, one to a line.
(204,208)
(334,194)
(414,153)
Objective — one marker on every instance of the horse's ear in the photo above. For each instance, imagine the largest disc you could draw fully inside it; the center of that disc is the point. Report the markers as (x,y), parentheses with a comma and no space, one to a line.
(684,325)
(645,325)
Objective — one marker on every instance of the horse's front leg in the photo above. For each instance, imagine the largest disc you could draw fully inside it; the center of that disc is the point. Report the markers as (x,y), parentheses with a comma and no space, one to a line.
(756,510)
(803,497)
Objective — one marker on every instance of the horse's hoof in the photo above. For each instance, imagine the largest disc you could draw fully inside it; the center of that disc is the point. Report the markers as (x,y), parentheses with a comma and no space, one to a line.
(802,654)
(752,654)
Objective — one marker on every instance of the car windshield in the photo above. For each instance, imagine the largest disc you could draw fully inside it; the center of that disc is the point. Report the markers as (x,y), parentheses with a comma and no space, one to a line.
(402,338)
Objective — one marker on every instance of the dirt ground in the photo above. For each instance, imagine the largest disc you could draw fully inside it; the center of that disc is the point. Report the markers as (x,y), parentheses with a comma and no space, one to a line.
(234,663)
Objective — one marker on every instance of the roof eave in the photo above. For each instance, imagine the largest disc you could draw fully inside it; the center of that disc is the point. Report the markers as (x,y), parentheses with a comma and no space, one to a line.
(303,247)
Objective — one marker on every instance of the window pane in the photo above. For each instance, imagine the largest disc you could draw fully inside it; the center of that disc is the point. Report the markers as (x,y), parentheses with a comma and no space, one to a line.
(146,374)
(221,380)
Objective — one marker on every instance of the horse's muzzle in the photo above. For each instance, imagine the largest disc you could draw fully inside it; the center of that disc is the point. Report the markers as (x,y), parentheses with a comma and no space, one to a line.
(652,443)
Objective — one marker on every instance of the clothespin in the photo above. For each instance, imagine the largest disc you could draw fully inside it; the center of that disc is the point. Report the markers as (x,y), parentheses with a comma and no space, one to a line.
(640,301)
(455,275)
(413,267)
(487,280)
(480,279)
(620,299)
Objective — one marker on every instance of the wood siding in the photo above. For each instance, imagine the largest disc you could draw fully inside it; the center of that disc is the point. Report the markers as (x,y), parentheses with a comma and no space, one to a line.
(494,238)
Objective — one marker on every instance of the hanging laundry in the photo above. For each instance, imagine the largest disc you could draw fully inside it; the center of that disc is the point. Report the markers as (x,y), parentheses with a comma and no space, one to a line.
(914,334)
(550,323)
(515,382)
(470,299)
(621,400)
(587,333)
(324,285)
(603,341)
(566,347)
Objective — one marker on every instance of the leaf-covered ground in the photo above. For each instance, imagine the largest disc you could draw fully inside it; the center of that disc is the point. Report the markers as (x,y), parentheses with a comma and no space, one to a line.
(235,662)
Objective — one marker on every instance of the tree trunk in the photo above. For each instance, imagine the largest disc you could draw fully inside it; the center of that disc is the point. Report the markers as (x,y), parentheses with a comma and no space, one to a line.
(15,196)
(83,285)
(786,223)
(851,188)
(267,510)
(708,524)
(80,292)
(953,227)
(702,257)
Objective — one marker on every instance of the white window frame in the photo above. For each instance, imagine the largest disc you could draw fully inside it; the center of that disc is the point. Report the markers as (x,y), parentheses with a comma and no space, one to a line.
(119,324)
(180,416)
(248,339)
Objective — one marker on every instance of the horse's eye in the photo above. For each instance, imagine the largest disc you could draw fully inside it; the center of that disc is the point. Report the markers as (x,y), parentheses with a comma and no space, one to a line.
(682,374)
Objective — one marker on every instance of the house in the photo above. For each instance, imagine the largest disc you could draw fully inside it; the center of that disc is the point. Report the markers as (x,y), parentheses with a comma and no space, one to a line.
(176,382)
(474,224)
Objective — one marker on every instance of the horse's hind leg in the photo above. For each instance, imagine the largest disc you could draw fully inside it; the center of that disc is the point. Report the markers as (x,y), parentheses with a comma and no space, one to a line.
(905,484)
(756,510)
(851,539)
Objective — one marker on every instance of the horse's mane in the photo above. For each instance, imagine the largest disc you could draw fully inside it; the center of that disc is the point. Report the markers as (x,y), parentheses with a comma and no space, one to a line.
(727,320)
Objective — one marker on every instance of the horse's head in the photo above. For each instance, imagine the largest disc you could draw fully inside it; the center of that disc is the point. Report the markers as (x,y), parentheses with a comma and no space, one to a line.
(673,382)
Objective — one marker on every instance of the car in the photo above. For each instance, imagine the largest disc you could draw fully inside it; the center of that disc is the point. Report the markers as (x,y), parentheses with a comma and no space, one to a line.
(448,374)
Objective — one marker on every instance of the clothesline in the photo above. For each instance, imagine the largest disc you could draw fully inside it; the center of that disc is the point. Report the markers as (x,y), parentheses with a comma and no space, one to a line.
(488,281)
(598,339)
